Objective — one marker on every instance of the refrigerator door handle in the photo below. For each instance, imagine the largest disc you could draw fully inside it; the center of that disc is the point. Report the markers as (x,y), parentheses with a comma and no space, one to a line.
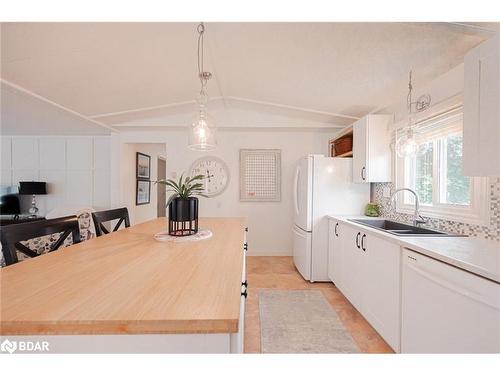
(300,234)
(296,190)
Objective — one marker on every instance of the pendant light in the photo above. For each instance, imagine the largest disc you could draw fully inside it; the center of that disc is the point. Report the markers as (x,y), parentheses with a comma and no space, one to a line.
(202,130)
(407,144)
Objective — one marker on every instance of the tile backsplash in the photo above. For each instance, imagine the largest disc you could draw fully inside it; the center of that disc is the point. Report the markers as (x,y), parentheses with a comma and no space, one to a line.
(490,232)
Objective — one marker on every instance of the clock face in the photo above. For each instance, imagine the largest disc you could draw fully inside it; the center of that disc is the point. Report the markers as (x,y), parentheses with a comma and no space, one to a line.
(216,174)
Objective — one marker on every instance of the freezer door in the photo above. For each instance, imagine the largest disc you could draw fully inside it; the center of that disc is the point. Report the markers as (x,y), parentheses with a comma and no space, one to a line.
(302,251)
(302,194)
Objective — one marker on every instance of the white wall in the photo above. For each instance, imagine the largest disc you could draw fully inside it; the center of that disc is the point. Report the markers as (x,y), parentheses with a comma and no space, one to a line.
(25,113)
(446,91)
(270,223)
(76,169)
(141,213)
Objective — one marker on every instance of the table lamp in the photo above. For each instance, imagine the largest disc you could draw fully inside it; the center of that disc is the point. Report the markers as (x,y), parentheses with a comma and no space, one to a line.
(32,188)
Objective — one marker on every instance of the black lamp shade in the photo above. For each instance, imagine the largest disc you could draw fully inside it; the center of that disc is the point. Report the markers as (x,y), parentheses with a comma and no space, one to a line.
(32,187)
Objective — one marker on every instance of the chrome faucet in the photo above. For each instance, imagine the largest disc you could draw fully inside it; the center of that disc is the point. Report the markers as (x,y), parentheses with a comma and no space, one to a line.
(417,218)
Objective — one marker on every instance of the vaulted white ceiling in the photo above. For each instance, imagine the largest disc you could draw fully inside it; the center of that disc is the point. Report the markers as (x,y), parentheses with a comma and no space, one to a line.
(146,74)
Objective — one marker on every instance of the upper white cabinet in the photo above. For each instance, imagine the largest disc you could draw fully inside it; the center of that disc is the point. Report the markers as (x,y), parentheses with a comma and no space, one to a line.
(482,109)
(371,149)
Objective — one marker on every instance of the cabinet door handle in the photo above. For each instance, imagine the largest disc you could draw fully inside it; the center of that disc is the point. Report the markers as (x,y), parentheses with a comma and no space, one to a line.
(363,173)
(336,226)
(357,239)
(363,242)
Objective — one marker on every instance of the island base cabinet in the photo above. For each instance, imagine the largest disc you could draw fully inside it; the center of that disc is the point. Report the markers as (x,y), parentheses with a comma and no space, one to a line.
(238,338)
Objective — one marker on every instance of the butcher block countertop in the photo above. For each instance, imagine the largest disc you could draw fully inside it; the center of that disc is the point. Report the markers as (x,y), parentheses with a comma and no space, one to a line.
(126,282)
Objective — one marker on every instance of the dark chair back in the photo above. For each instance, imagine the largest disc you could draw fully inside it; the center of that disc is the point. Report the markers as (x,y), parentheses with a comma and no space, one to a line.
(12,235)
(101,217)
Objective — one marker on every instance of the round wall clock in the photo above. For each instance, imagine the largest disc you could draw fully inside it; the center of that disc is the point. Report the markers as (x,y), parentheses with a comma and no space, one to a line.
(216,174)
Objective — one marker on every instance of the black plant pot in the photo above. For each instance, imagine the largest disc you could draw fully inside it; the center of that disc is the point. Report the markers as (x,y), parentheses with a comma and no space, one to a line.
(183,216)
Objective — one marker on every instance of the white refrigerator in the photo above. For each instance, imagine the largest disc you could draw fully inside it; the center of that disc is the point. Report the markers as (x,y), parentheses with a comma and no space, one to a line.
(322,186)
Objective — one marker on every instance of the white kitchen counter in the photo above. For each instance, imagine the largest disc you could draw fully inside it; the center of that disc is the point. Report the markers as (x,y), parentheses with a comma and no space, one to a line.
(479,256)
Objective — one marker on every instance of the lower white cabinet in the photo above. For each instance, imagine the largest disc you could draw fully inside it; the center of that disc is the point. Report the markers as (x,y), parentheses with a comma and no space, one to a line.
(353,270)
(335,257)
(366,268)
(382,288)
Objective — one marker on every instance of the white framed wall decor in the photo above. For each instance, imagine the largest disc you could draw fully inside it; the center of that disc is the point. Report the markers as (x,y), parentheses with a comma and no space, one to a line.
(260,175)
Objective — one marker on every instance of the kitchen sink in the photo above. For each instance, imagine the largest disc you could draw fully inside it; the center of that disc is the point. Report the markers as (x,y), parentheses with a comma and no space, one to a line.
(400,229)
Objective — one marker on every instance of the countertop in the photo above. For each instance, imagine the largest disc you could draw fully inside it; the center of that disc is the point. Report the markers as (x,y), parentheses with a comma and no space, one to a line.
(478,256)
(126,282)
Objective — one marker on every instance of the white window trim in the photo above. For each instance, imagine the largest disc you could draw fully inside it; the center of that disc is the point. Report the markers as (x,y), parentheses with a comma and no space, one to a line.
(477,213)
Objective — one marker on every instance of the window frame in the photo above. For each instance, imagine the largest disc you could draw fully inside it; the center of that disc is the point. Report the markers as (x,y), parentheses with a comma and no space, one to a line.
(475,213)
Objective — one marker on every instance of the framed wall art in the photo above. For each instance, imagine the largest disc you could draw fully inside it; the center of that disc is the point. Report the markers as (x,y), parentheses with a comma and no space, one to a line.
(260,175)
(143,192)
(143,166)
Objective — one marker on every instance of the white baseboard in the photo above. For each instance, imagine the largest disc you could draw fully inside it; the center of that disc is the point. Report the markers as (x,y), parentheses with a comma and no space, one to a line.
(264,253)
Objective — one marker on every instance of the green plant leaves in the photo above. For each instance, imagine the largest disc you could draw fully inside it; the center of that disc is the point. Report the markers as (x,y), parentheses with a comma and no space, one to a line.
(184,187)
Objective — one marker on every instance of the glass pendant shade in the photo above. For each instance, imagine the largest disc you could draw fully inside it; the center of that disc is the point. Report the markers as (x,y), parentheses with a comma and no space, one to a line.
(411,143)
(202,130)
(407,145)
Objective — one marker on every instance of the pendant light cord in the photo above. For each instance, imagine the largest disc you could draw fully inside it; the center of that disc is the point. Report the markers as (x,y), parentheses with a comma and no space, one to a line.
(201,72)
(408,98)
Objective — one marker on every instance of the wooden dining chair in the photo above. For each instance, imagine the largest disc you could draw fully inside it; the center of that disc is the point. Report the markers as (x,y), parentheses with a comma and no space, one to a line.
(50,235)
(101,217)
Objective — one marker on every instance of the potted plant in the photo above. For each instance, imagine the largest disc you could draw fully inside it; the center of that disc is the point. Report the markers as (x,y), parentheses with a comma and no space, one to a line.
(183,204)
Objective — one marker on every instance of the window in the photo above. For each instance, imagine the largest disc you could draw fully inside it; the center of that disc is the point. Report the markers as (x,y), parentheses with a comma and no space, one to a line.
(436,174)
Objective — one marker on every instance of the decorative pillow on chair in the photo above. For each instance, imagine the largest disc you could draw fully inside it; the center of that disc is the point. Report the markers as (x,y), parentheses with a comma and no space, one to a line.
(87,228)
(40,245)
(86,224)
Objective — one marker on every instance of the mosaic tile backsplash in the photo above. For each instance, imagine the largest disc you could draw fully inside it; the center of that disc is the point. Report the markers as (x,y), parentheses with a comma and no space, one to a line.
(490,232)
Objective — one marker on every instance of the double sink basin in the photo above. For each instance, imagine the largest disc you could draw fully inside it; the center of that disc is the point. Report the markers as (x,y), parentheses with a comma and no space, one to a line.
(400,229)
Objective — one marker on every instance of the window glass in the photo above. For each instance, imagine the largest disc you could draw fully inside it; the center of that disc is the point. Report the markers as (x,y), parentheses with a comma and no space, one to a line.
(456,186)
(423,180)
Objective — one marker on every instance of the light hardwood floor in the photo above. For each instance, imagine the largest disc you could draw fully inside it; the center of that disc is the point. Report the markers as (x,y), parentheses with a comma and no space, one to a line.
(280,273)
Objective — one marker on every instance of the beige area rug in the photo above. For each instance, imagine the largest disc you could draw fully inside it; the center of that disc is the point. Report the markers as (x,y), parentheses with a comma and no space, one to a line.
(301,321)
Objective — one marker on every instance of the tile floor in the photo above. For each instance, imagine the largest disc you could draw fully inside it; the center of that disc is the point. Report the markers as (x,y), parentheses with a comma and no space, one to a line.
(280,273)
